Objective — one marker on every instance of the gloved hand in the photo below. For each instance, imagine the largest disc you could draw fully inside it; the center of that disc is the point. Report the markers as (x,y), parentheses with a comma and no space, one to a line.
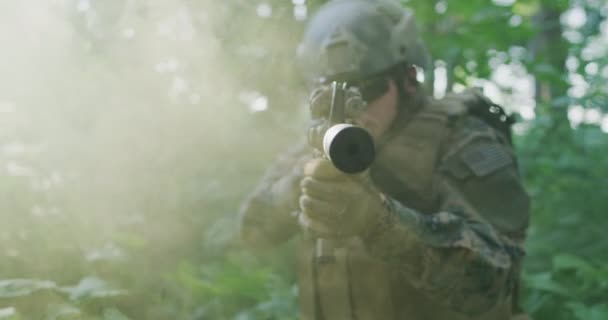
(337,205)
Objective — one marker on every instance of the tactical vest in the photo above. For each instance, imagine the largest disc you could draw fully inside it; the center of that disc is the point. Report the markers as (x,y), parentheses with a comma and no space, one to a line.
(341,281)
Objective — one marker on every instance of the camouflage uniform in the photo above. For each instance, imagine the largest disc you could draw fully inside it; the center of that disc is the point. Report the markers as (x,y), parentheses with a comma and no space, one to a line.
(448,242)
(450,245)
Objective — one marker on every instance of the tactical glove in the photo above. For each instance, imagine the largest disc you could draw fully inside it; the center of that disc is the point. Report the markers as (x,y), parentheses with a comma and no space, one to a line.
(337,205)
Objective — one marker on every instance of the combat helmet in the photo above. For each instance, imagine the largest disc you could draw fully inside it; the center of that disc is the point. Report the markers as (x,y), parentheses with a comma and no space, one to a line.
(358,39)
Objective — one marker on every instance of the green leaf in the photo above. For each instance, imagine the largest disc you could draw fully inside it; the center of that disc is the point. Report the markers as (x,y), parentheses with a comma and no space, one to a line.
(526,9)
(91,287)
(583,312)
(114,314)
(63,312)
(566,261)
(23,287)
(8,314)
(544,282)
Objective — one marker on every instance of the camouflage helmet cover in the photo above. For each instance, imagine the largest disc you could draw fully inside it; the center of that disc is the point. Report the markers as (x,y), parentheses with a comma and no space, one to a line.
(357,39)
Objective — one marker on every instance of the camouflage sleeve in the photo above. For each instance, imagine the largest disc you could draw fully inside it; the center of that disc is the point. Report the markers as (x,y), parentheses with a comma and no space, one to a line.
(267,216)
(467,255)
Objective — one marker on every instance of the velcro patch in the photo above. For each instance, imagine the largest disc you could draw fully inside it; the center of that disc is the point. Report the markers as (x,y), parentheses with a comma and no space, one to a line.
(486,158)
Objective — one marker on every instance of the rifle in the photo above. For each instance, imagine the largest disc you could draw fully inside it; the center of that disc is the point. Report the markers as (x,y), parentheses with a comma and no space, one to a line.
(350,148)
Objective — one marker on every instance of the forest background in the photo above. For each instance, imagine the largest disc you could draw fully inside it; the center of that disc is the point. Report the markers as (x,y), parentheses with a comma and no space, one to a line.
(131,130)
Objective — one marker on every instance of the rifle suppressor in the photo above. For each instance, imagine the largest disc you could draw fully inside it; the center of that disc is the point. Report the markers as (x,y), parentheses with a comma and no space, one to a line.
(350,148)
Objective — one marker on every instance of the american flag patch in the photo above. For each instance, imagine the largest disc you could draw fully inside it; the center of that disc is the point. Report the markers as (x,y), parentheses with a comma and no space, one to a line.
(486,158)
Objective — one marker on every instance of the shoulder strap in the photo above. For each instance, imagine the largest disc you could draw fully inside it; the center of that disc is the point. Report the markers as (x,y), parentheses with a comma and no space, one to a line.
(480,106)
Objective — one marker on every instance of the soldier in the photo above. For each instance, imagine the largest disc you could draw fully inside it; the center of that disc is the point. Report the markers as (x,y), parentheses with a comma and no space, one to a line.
(434,228)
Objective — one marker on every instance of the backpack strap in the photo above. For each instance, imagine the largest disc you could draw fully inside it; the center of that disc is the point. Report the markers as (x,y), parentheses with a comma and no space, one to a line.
(480,106)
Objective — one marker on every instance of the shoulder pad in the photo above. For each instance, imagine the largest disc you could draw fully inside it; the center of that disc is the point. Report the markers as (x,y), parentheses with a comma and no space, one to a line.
(485,174)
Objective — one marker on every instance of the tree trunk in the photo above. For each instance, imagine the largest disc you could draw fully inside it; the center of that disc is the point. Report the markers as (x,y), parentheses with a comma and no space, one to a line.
(550,50)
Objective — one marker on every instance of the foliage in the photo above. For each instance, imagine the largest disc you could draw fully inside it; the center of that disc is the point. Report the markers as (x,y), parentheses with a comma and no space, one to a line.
(571,289)
(130,131)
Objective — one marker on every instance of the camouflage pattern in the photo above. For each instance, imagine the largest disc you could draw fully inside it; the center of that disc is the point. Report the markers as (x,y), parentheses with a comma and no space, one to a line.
(374,36)
(269,215)
(448,244)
